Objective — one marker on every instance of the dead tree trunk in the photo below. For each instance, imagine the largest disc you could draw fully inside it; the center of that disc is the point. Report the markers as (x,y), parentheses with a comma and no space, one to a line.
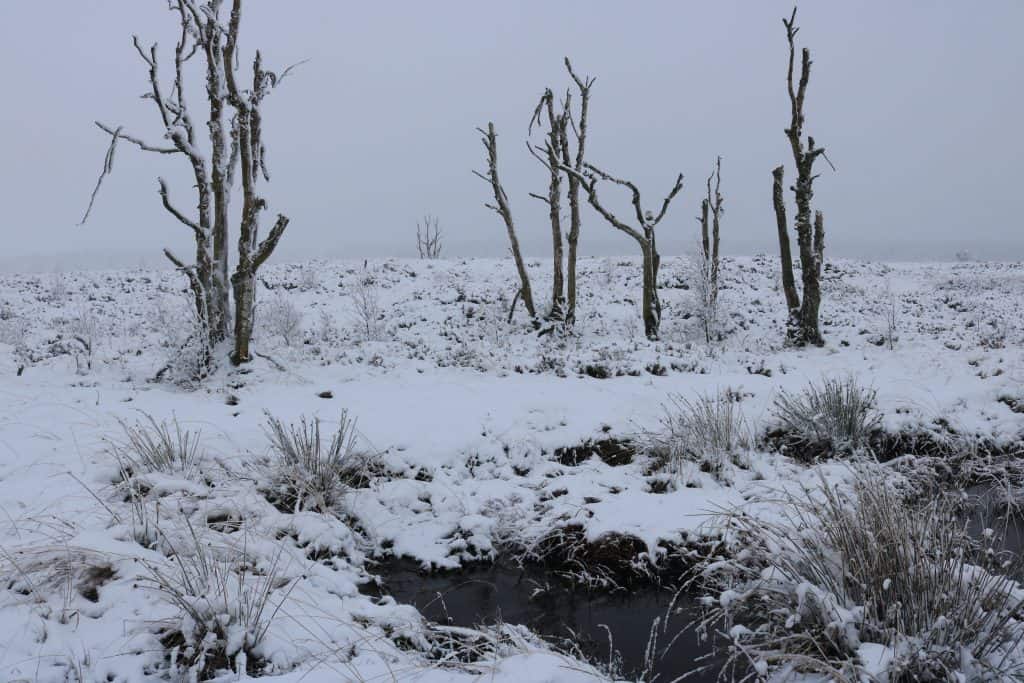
(807,330)
(501,207)
(785,254)
(706,272)
(644,235)
(573,238)
(248,137)
(715,203)
(812,279)
(557,125)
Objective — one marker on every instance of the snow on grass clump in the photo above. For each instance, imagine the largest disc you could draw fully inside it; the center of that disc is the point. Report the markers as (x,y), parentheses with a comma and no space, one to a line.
(710,430)
(306,473)
(838,415)
(226,599)
(841,575)
(150,446)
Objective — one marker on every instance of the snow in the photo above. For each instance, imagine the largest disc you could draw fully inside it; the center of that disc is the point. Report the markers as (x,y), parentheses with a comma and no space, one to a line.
(465,412)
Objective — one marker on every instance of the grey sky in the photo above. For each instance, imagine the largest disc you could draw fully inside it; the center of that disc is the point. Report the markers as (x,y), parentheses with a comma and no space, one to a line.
(920,105)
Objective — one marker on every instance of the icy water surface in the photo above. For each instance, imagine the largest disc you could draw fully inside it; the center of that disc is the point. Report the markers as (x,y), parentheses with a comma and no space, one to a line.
(534,597)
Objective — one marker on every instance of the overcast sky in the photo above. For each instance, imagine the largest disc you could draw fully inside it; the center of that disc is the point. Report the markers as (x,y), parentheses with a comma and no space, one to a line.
(920,105)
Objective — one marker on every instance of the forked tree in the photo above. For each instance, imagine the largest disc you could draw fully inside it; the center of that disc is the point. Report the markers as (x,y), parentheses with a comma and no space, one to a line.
(643,232)
(237,150)
(802,323)
(501,207)
(557,151)
(551,158)
(711,208)
(428,237)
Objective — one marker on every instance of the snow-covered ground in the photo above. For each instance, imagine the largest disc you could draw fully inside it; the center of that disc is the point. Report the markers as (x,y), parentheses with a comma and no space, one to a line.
(464,411)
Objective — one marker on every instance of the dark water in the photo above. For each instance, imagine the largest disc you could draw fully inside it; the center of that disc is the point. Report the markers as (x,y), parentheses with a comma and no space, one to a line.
(991,512)
(537,599)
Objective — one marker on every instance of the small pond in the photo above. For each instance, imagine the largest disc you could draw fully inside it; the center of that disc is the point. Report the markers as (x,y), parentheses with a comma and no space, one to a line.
(534,597)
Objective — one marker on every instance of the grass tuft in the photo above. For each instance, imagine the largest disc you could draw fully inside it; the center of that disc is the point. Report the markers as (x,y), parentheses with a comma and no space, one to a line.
(858,585)
(708,430)
(306,472)
(151,446)
(835,416)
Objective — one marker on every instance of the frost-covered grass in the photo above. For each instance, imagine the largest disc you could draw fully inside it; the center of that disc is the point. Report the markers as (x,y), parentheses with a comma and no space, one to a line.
(836,414)
(152,446)
(225,602)
(848,582)
(306,472)
(710,430)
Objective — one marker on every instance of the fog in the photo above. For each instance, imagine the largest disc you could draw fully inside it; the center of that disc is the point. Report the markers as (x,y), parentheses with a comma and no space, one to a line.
(918,104)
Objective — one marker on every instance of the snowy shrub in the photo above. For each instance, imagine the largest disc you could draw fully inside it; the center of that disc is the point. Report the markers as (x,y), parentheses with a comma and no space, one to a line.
(891,318)
(84,333)
(327,327)
(838,415)
(226,601)
(280,317)
(304,472)
(858,585)
(14,333)
(702,278)
(367,307)
(309,278)
(185,340)
(709,430)
(992,332)
(151,446)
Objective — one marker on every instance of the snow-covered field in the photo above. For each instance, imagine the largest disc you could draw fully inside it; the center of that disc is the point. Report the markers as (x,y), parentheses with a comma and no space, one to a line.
(464,413)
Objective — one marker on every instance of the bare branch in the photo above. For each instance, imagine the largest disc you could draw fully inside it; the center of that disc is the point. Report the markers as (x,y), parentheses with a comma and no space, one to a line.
(175,260)
(266,247)
(144,146)
(108,166)
(200,233)
(668,200)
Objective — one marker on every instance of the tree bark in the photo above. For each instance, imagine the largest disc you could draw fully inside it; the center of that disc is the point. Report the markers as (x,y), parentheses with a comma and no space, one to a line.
(786,255)
(809,325)
(651,303)
(583,85)
(553,150)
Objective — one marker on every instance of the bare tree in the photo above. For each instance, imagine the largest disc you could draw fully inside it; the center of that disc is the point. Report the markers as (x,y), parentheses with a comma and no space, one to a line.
(803,327)
(643,233)
(248,137)
(551,158)
(711,208)
(556,153)
(428,238)
(580,128)
(501,207)
(204,33)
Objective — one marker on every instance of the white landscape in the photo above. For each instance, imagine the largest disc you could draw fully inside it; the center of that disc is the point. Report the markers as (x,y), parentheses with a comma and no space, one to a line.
(461,414)
(555,432)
